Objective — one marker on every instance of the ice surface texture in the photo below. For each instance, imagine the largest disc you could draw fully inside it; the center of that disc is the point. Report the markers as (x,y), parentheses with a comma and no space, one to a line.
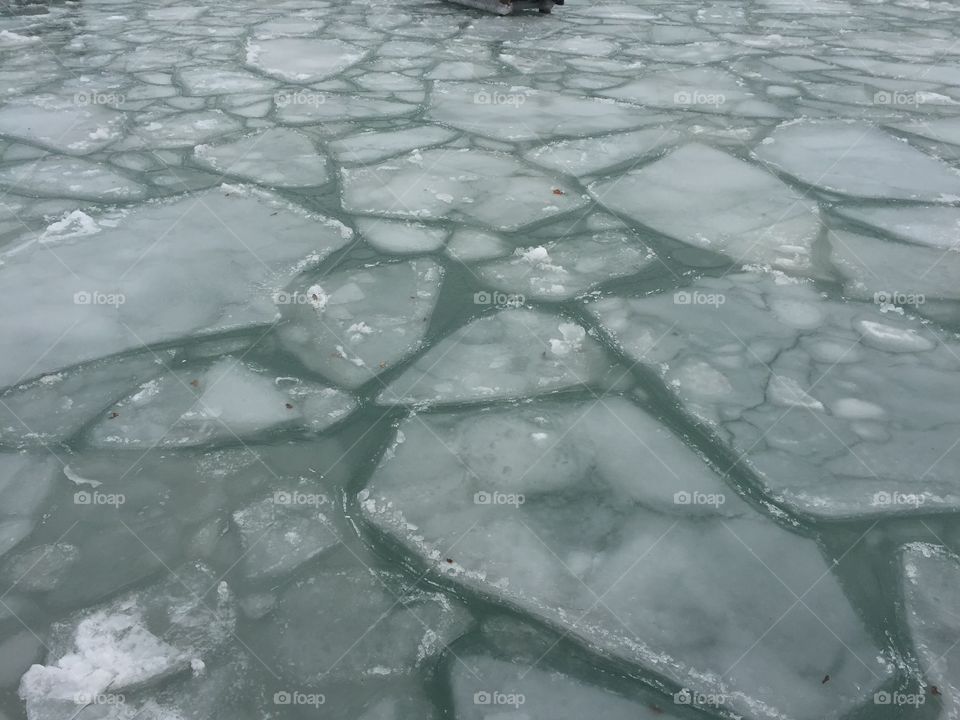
(631,329)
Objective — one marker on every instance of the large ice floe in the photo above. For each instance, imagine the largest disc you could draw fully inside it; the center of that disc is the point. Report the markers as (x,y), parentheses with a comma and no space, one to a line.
(596,519)
(809,392)
(150,274)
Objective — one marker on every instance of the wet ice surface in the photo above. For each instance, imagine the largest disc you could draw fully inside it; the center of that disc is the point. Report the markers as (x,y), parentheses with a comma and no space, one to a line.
(378,361)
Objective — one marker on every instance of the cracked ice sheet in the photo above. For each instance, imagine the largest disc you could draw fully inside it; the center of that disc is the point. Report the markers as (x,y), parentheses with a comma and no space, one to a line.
(511,354)
(494,189)
(858,160)
(139,639)
(562,269)
(505,112)
(145,277)
(228,400)
(931,589)
(820,397)
(706,198)
(352,325)
(595,492)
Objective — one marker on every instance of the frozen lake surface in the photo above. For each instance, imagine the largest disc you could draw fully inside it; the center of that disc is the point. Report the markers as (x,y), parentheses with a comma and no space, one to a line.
(392,361)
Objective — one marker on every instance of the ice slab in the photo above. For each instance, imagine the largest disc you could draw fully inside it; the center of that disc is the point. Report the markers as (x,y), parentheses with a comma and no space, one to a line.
(204,81)
(227,400)
(701,89)
(709,199)
(63,177)
(280,533)
(276,157)
(183,130)
(513,353)
(859,160)
(139,639)
(931,589)
(506,112)
(469,185)
(593,155)
(53,407)
(372,627)
(883,271)
(485,688)
(393,237)
(353,324)
(144,277)
(595,519)
(813,394)
(371,146)
(935,225)
(562,269)
(302,60)
(76,126)
(25,482)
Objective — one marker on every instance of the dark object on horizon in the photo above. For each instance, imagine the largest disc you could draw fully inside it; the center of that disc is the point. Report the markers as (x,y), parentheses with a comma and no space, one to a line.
(508,7)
